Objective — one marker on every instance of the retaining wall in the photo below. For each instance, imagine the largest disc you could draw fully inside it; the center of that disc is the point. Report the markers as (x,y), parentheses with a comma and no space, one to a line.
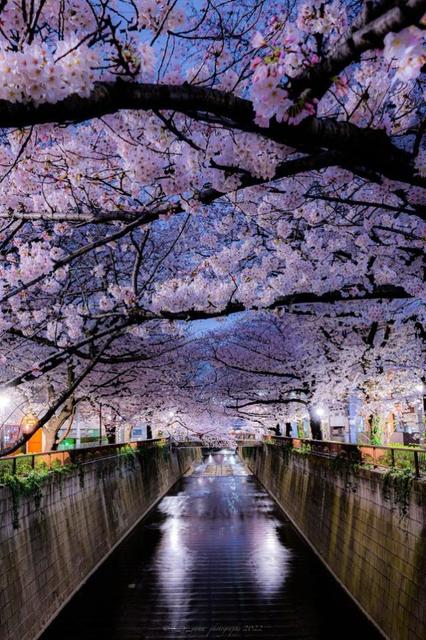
(80,519)
(358,525)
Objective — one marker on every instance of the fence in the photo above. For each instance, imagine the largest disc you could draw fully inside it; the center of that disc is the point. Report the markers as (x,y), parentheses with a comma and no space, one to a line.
(22,464)
(413,458)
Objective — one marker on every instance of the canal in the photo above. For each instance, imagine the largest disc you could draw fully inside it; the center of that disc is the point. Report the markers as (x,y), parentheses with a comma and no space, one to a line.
(215,558)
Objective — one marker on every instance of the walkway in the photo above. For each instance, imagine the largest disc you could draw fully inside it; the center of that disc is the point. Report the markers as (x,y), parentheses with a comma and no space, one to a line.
(214,559)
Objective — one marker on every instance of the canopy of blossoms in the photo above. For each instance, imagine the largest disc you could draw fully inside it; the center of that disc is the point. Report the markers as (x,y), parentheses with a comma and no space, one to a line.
(169,162)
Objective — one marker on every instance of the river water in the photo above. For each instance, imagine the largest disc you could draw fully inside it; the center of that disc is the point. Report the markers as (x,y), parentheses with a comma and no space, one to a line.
(215,558)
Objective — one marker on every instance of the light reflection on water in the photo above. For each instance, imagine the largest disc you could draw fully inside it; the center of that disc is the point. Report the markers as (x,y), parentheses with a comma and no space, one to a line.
(271,564)
(225,507)
(214,559)
(173,560)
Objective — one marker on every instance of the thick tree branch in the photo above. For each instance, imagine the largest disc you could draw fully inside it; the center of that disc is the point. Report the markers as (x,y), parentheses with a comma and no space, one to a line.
(272,401)
(388,292)
(257,372)
(318,78)
(367,148)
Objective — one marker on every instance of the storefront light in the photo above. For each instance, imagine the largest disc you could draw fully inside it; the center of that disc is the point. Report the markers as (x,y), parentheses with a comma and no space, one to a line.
(28,423)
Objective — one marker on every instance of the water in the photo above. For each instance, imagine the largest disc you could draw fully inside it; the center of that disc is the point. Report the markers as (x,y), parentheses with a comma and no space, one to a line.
(214,559)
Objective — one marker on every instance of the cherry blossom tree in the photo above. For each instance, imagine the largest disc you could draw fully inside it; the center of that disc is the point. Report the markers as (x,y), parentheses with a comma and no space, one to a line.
(286,367)
(168,162)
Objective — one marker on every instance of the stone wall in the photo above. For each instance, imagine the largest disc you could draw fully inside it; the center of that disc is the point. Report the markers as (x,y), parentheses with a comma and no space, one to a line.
(80,519)
(359,527)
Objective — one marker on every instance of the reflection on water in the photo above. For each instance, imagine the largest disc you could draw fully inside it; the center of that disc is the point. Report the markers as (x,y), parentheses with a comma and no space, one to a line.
(173,559)
(270,563)
(222,463)
(214,559)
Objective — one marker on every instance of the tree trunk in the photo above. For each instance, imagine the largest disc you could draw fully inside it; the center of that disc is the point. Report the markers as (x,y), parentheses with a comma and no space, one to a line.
(111,433)
(55,424)
(375,432)
(288,429)
(128,432)
(50,432)
(315,424)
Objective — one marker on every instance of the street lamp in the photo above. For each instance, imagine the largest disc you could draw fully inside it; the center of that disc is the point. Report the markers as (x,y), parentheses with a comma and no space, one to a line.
(4,401)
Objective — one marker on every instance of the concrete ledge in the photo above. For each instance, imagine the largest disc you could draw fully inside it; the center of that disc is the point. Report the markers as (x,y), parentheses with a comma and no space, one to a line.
(61,542)
(374,548)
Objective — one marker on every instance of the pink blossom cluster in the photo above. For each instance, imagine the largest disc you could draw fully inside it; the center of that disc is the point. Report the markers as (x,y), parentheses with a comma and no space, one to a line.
(152,13)
(281,54)
(406,51)
(316,16)
(34,259)
(286,48)
(36,74)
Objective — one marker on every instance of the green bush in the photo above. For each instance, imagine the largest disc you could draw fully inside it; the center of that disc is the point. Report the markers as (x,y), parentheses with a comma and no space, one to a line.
(303,450)
(28,481)
(397,488)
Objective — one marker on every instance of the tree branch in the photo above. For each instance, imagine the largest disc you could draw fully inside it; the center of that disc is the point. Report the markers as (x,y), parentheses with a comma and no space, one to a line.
(318,78)
(389,292)
(368,148)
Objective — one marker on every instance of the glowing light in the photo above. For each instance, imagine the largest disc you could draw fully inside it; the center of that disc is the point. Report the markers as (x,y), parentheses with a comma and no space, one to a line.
(4,401)
(420,387)
(320,412)
(28,423)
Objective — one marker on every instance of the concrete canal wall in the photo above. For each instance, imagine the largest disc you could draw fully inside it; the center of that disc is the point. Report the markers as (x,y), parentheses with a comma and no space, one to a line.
(369,532)
(79,521)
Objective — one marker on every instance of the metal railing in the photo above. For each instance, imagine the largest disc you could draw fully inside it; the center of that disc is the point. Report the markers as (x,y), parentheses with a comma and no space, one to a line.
(413,458)
(22,464)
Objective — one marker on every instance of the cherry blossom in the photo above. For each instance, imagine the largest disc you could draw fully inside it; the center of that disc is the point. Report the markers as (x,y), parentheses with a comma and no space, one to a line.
(186,188)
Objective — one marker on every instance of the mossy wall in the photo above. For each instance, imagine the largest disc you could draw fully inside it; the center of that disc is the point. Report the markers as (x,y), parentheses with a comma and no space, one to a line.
(369,535)
(80,519)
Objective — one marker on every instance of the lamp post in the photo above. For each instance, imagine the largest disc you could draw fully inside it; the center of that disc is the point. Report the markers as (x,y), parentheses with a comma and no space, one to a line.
(4,402)
(100,424)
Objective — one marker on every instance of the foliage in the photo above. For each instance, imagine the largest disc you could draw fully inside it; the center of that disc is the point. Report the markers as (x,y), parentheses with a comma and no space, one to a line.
(341,463)
(403,457)
(300,430)
(303,451)
(29,482)
(286,451)
(348,469)
(397,485)
(376,431)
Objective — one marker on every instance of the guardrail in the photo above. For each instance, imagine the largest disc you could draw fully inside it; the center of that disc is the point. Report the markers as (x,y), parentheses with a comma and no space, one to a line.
(413,458)
(247,442)
(22,464)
